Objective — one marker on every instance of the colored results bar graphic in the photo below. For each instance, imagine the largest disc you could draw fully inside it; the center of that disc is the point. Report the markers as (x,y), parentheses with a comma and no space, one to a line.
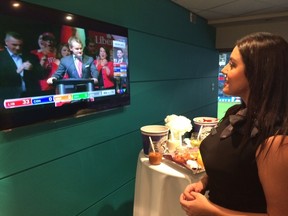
(80,96)
(19,102)
(59,100)
(42,100)
(63,98)
(67,98)
(95,94)
(71,97)
(22,102)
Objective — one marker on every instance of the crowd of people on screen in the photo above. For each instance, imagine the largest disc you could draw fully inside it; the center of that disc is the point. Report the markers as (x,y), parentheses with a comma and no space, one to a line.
(32,72)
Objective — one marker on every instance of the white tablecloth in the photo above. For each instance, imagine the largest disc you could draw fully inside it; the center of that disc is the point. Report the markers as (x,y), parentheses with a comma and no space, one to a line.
(158,187)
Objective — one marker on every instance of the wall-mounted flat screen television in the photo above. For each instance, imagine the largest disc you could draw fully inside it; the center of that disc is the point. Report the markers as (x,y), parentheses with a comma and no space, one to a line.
(34,46)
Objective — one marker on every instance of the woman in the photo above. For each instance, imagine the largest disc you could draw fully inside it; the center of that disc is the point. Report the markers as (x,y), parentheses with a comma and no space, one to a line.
(62,51)
(105,67)
(47,57)
(246,157)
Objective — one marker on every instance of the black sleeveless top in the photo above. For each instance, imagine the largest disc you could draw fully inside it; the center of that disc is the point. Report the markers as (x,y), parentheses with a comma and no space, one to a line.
(233,180)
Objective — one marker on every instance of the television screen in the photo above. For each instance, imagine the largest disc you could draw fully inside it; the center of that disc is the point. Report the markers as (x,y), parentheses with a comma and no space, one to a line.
(40,51)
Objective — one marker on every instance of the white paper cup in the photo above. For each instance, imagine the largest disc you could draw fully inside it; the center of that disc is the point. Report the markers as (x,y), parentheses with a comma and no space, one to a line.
(207,123)
(158,134)
(172,145)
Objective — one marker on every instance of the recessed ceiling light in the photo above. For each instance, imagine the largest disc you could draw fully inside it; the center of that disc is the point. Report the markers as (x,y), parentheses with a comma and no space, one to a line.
(69,17)
(16,4)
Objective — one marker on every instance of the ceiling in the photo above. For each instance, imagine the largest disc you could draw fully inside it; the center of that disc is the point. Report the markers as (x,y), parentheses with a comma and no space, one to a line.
(230,11)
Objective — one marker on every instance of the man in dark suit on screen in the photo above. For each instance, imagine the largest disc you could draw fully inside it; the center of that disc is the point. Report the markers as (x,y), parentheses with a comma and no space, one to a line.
(19,72)
(77,65)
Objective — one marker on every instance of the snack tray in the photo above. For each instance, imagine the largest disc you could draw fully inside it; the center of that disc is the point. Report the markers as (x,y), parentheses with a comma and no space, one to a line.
(194,166)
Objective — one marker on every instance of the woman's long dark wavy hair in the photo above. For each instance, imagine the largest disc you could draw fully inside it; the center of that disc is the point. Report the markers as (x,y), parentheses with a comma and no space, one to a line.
(265,56)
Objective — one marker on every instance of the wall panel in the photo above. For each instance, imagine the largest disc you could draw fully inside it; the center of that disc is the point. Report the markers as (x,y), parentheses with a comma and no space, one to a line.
(86,166)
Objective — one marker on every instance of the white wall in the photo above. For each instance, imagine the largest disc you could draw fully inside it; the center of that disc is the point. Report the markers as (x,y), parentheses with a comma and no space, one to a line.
(227,34)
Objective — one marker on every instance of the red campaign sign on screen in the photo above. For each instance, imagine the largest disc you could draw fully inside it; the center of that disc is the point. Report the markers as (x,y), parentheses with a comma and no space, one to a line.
(101,39)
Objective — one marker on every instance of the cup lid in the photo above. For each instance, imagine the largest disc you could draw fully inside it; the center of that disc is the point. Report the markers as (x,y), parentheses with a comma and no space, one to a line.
(205,120)
(154,129)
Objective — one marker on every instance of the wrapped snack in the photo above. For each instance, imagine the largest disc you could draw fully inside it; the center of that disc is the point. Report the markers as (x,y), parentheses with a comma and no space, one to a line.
(182,154)
(187,157)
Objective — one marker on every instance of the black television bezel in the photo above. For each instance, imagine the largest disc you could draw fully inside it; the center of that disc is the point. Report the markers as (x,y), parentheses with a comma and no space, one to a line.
(19,117)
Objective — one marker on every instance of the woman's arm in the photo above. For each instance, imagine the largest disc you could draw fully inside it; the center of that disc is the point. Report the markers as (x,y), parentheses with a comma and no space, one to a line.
(272,164)
(201,206)
(108,69)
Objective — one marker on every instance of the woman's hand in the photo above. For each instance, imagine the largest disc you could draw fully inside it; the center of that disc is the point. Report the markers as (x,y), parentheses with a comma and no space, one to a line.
(198,206)
(103,62)
(107,70)
(195,187)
